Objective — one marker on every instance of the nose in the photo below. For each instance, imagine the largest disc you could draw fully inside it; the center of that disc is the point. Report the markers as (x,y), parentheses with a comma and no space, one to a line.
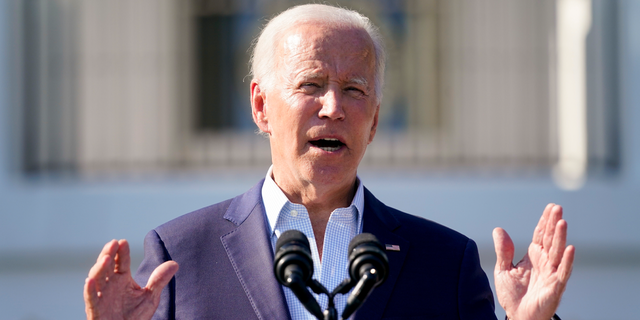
(332,106)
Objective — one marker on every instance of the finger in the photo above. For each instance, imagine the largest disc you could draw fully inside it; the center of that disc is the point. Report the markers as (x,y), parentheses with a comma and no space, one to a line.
(101,271)
(161,276)
(559,243)
(504,250)
(538,233)
(109,249)
(550,228)
(104,266)
(90,297)
(123,257)
(566,266)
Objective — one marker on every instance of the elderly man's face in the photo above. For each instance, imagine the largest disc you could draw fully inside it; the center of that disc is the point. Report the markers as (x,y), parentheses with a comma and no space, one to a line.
(322,111)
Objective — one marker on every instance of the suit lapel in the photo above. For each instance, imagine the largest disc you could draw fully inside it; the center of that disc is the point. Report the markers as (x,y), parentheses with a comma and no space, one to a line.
(250,253)
(381,223)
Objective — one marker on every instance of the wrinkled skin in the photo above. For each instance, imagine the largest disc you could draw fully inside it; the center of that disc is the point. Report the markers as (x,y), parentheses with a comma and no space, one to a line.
(532,288)
(110,292)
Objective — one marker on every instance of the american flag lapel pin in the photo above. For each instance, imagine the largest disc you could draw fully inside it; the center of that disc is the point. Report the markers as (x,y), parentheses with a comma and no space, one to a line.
(392,247)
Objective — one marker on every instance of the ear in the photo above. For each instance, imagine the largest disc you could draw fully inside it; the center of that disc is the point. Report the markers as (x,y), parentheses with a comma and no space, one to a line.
(259,107)
(374,124)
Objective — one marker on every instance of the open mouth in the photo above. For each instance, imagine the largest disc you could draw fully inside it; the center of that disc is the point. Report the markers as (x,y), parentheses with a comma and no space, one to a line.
(328,144)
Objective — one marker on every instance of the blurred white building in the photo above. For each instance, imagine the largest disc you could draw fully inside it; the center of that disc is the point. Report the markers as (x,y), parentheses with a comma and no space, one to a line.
(116,116)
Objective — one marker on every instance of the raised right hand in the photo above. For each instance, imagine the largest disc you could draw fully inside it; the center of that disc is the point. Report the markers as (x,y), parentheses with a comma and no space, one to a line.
(110,291)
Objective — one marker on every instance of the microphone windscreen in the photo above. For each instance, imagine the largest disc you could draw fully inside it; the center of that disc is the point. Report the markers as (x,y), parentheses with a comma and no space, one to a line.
(364,238)
(292,236)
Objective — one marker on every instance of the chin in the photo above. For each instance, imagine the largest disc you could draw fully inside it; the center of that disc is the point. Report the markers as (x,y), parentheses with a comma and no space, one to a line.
(332,173)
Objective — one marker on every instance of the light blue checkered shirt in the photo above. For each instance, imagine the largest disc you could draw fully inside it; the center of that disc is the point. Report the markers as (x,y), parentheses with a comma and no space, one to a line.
(343,225)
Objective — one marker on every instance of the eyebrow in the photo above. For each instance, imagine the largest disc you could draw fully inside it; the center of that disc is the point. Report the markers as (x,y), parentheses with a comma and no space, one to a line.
(359,80)
(315,75)
(312,75)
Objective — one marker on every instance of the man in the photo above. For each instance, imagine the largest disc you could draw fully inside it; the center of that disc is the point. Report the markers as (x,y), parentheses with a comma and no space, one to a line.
(316,93)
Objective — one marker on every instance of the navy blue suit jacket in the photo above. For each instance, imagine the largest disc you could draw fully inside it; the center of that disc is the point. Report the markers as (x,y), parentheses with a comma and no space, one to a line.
(226,266)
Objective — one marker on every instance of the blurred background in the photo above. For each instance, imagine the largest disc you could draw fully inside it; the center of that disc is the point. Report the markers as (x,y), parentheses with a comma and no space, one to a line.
(119,115)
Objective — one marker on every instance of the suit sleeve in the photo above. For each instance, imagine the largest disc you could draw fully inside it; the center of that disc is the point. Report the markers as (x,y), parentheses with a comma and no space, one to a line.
(474,293)
(155,254)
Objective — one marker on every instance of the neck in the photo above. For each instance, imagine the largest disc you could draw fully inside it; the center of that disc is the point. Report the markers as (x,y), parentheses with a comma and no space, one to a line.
(319,199)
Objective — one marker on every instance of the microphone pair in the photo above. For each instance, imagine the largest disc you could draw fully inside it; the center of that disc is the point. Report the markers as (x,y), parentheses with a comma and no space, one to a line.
(293,267)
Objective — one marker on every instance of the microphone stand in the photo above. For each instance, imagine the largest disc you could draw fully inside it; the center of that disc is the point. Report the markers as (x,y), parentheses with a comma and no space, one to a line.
(331,313)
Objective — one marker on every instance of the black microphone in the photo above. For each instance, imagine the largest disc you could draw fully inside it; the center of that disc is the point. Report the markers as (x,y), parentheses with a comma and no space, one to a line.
(293,267)
(368,266)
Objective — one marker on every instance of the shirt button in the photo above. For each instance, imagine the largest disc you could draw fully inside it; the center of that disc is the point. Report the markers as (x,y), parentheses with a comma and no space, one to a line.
(294,213)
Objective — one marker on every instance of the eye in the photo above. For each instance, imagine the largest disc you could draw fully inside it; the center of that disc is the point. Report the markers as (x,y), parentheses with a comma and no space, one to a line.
(355,92)
(310,87)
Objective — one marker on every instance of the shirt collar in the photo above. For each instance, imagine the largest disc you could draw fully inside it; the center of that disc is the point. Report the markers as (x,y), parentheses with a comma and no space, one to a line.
(274,200)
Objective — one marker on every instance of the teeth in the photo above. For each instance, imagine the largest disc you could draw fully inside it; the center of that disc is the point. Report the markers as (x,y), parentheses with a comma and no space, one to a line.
(328,144)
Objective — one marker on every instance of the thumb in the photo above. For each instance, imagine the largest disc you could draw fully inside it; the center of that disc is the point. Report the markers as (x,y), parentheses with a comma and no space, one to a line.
(504,250)
(161,276)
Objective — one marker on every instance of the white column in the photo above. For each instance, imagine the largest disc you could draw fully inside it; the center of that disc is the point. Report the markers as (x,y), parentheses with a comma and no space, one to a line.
(573,24)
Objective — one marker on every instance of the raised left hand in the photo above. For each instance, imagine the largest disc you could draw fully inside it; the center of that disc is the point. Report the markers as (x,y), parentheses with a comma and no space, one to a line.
(111,293)
(531,290)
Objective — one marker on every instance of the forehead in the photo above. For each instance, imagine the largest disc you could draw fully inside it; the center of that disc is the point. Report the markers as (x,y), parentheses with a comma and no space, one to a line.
(341,49)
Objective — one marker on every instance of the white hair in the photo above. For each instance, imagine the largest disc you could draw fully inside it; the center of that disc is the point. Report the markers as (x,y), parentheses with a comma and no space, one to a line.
(263,58)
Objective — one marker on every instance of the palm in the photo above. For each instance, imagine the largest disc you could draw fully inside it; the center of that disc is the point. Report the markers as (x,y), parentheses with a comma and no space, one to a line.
(532,288)
(110,291)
